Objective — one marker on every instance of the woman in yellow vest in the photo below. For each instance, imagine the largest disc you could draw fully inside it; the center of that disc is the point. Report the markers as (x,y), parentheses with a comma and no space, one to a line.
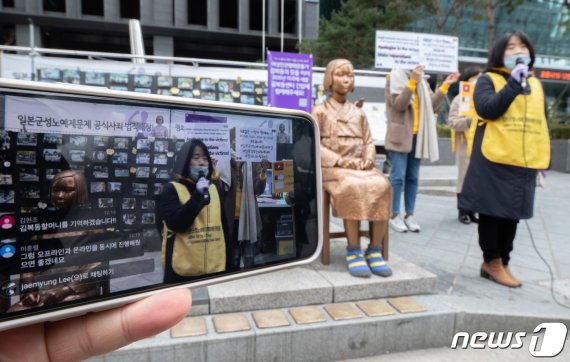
(460,120)
(511,143)
(193,235)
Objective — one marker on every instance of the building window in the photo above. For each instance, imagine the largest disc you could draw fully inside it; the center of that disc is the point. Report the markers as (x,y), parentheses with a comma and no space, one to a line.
(198,12)
(228,13)
(255,15)
(54,5)
(92,7)
(130,9)
(290,16)
(8,3)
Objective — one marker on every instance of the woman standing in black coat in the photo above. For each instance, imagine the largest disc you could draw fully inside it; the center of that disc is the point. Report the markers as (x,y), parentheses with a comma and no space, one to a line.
(511,143)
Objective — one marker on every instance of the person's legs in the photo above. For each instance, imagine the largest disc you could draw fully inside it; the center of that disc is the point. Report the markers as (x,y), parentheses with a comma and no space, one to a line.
(411,180)
(488,237)
(463,215)
(411,188)
(507,233)
(397,175)
(492,267)
(356,263)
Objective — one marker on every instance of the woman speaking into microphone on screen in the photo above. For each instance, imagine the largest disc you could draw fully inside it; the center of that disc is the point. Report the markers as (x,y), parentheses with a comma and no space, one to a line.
(511,142)
(190,216)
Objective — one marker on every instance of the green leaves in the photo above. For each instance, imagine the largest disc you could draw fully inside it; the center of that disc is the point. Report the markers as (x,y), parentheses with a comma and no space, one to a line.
(350,32)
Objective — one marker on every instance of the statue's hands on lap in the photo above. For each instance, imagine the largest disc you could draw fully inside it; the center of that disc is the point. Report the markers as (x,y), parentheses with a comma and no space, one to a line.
(350,163)
(367,165)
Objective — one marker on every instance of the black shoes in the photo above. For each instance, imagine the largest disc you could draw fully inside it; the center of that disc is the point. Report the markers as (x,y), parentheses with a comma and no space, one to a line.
(464,217)
(467,217)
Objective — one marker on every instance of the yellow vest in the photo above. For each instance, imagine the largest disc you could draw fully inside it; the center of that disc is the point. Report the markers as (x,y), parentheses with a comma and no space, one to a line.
(520,136)
(201,249)
(462,138)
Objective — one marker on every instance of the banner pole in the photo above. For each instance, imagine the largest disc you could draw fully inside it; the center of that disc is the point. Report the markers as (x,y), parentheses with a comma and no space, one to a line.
(263,32)
(282,22)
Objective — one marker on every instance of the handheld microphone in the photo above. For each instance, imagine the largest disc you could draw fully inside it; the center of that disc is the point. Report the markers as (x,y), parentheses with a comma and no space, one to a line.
(524,84)
(206,192)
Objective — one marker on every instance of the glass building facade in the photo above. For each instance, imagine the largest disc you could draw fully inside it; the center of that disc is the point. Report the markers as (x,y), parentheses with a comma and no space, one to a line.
(542,20)
(545,21)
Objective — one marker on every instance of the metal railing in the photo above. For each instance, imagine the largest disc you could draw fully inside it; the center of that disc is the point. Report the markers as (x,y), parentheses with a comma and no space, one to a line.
(196,62)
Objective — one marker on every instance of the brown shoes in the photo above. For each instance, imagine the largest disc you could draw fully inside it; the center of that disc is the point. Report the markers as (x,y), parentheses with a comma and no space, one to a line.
(508,271)
(495,271)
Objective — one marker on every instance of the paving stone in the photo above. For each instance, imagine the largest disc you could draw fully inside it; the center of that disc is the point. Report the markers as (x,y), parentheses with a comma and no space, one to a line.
(306,315)
(270,319)
(231,323)
(189,327)
(375,308)
(342,311)
(406,305)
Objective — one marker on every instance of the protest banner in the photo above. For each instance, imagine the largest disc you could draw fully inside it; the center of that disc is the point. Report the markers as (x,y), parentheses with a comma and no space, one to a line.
(395,49)
(289,80)
(35,115)
(256,144)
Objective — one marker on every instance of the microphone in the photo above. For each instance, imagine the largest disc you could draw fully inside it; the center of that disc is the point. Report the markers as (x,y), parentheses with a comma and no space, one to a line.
(206,192)
(524,84)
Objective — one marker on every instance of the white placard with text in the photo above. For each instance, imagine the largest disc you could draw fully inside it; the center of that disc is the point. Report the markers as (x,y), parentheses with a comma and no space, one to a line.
(395,49)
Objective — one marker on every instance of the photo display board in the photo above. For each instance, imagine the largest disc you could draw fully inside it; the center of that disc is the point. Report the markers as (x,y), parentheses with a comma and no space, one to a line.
(211,89)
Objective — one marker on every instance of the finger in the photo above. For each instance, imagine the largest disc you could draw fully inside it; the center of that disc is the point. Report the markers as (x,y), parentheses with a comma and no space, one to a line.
(28,341)
(93,334)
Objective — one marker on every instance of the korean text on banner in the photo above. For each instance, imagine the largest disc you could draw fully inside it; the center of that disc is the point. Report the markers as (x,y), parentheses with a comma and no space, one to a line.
(395,49)
(289,80)
(38,115)
(256,144)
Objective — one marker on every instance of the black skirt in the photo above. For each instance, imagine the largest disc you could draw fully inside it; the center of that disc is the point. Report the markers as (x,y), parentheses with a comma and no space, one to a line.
(498,190)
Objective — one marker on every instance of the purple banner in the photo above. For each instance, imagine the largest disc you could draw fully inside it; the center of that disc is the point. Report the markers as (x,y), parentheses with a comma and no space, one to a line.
(289,80)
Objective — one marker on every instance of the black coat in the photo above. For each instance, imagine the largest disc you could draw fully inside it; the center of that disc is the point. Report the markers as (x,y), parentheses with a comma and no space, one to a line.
(490,188)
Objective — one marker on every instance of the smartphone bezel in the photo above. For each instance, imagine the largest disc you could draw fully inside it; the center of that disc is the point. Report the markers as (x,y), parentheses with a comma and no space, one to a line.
(70,90)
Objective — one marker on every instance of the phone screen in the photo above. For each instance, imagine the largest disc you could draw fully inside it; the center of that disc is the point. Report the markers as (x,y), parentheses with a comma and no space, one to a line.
(104,197)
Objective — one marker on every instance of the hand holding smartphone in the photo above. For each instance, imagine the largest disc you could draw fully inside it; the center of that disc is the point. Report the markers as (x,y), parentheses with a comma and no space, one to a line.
(98,207)
(106,331)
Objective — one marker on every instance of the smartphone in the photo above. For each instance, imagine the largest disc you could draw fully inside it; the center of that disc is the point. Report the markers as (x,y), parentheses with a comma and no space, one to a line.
(107,197)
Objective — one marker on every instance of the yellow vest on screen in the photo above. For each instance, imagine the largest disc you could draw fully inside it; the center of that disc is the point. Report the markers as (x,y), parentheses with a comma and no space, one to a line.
(520,136)
(201,249)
